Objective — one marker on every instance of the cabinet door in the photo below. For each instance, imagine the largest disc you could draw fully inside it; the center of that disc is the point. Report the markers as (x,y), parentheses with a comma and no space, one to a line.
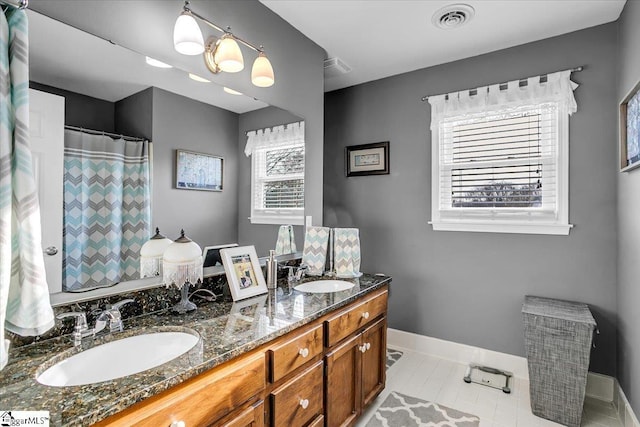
(253,416)
(342,383)
(373,345)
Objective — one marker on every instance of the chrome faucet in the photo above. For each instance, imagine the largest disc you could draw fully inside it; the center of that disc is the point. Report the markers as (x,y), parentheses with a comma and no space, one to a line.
(295,275)
(111,315)
(81,330)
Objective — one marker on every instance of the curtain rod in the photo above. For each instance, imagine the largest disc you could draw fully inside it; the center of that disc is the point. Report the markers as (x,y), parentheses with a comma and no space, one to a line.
(101,132)
(573,70)
(271,127)
(20,4)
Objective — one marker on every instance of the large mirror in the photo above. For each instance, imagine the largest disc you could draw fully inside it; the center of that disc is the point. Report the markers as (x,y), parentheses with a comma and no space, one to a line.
(113,90)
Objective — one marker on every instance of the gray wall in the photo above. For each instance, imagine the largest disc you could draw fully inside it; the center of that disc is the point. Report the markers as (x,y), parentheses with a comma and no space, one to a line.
(263,236)
(208,217)
(147,27)
(134,114)
(469,287)
(629,231)
(82,110)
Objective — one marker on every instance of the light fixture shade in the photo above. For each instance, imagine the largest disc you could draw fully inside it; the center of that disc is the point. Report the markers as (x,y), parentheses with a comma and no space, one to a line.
(187,37)
(262,72)
(151,255)
(182,262)
(228,55)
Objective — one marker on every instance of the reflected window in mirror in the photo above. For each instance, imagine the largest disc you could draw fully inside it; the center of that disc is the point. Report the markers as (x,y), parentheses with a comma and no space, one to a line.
(277,174)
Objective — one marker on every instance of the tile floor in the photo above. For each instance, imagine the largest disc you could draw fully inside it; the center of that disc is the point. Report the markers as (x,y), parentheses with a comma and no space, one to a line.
(430,378)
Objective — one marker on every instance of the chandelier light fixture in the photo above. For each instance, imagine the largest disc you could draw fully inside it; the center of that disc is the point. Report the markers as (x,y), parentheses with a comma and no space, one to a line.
(220,53)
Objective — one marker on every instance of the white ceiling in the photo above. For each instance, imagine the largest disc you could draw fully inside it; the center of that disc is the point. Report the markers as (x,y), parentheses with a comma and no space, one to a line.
(381,38)
(68,58)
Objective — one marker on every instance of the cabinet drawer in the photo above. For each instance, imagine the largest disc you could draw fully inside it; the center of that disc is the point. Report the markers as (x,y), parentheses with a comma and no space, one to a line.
(253,416)
(295,352)
(201,400)
(299,401)
(349,321)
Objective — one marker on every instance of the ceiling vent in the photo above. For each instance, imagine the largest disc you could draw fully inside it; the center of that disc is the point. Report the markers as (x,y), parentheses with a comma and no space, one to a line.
(335,67)
(453,16)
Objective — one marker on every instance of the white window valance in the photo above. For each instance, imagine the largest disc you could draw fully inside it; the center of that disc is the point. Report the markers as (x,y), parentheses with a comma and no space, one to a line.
(557,87)
(275,137)
(500,156)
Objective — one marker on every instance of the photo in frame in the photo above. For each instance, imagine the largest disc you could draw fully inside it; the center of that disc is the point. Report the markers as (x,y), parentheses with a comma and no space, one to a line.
(198,171)
(243,271)
(367,159)
(630,130)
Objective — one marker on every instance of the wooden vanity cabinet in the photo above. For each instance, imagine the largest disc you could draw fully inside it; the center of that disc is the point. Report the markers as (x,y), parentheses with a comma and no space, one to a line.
(321,374)
(355,368)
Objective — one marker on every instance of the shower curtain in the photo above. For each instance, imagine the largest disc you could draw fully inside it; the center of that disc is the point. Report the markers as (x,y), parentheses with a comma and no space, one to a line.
(107,214)
(24,295)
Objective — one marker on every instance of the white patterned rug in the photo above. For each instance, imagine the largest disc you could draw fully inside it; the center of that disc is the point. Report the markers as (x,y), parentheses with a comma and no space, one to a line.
(393,356)
(399,410)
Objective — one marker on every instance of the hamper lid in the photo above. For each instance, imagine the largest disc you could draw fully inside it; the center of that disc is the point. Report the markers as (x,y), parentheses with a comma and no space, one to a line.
(559,309)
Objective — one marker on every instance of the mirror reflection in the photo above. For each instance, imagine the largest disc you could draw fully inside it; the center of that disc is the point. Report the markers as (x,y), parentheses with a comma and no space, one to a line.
(107,122)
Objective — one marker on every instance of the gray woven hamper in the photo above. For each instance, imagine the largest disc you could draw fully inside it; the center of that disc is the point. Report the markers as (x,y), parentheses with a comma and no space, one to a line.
(557,337)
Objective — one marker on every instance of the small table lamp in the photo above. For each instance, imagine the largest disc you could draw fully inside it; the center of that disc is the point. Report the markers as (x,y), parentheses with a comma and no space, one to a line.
(151,255)
(182,266)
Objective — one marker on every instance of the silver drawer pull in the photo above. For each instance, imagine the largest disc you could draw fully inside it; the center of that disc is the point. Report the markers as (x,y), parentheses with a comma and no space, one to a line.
(304,352)
(304,403)
(362,348)
(368,345)
(365,315)
(178,424)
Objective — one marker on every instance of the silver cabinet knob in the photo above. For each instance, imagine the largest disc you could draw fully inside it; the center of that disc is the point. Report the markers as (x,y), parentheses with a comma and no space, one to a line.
(51,250)
(304,352)
(304,403)
(178,424)
(365,315)
(362,348)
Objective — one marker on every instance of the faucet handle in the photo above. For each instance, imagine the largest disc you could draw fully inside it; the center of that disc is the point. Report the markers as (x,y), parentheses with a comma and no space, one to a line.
(117,305)
(81,319)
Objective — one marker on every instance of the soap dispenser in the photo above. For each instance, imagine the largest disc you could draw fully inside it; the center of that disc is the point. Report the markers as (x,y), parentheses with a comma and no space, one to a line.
(272,270)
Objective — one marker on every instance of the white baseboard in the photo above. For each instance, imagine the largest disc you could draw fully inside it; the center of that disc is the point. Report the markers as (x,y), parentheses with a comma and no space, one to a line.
(625,412)
(599,386)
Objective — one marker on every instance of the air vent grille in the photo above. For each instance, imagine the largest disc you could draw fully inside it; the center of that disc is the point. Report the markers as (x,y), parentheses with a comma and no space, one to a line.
(453,16)
(335,67)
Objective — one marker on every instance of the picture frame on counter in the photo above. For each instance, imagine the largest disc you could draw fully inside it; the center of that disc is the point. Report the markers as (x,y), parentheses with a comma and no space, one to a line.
(244,275)
(367,159)
(199,171)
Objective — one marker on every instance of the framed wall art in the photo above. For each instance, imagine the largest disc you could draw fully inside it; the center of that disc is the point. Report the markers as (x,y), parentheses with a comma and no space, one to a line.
(630,130)
(198,171)
(243,271)
(367,159)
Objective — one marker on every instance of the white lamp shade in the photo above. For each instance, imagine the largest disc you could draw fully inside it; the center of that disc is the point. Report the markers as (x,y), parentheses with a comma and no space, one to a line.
(151,255)
(262,72)
(187,37)
(182,263)
(228,55)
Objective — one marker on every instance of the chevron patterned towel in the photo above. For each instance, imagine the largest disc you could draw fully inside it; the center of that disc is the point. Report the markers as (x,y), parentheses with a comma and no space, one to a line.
(314,254)
(286,243)
(346,252)
(24,294)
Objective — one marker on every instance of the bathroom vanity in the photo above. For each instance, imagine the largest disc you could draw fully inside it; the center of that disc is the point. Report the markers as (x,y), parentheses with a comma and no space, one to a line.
(303,359)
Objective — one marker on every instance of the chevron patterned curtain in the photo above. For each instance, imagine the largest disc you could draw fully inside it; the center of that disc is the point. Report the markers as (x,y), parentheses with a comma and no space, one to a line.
(107,211)
(24,295)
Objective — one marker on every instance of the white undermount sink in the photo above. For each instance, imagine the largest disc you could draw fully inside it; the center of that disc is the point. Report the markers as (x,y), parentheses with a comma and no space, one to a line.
(118,358)
(324,286)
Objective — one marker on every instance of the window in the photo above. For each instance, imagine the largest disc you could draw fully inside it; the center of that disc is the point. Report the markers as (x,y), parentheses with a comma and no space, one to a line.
(500,161)
(277,174)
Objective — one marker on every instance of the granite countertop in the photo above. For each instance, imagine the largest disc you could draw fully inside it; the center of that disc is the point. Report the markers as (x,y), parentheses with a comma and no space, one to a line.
(227,330)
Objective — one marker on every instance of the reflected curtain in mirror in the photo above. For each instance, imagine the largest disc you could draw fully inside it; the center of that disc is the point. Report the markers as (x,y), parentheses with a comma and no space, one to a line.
(107,212)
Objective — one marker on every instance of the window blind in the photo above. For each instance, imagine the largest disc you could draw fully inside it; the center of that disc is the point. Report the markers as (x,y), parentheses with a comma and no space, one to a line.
(500,161)
(278,181)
